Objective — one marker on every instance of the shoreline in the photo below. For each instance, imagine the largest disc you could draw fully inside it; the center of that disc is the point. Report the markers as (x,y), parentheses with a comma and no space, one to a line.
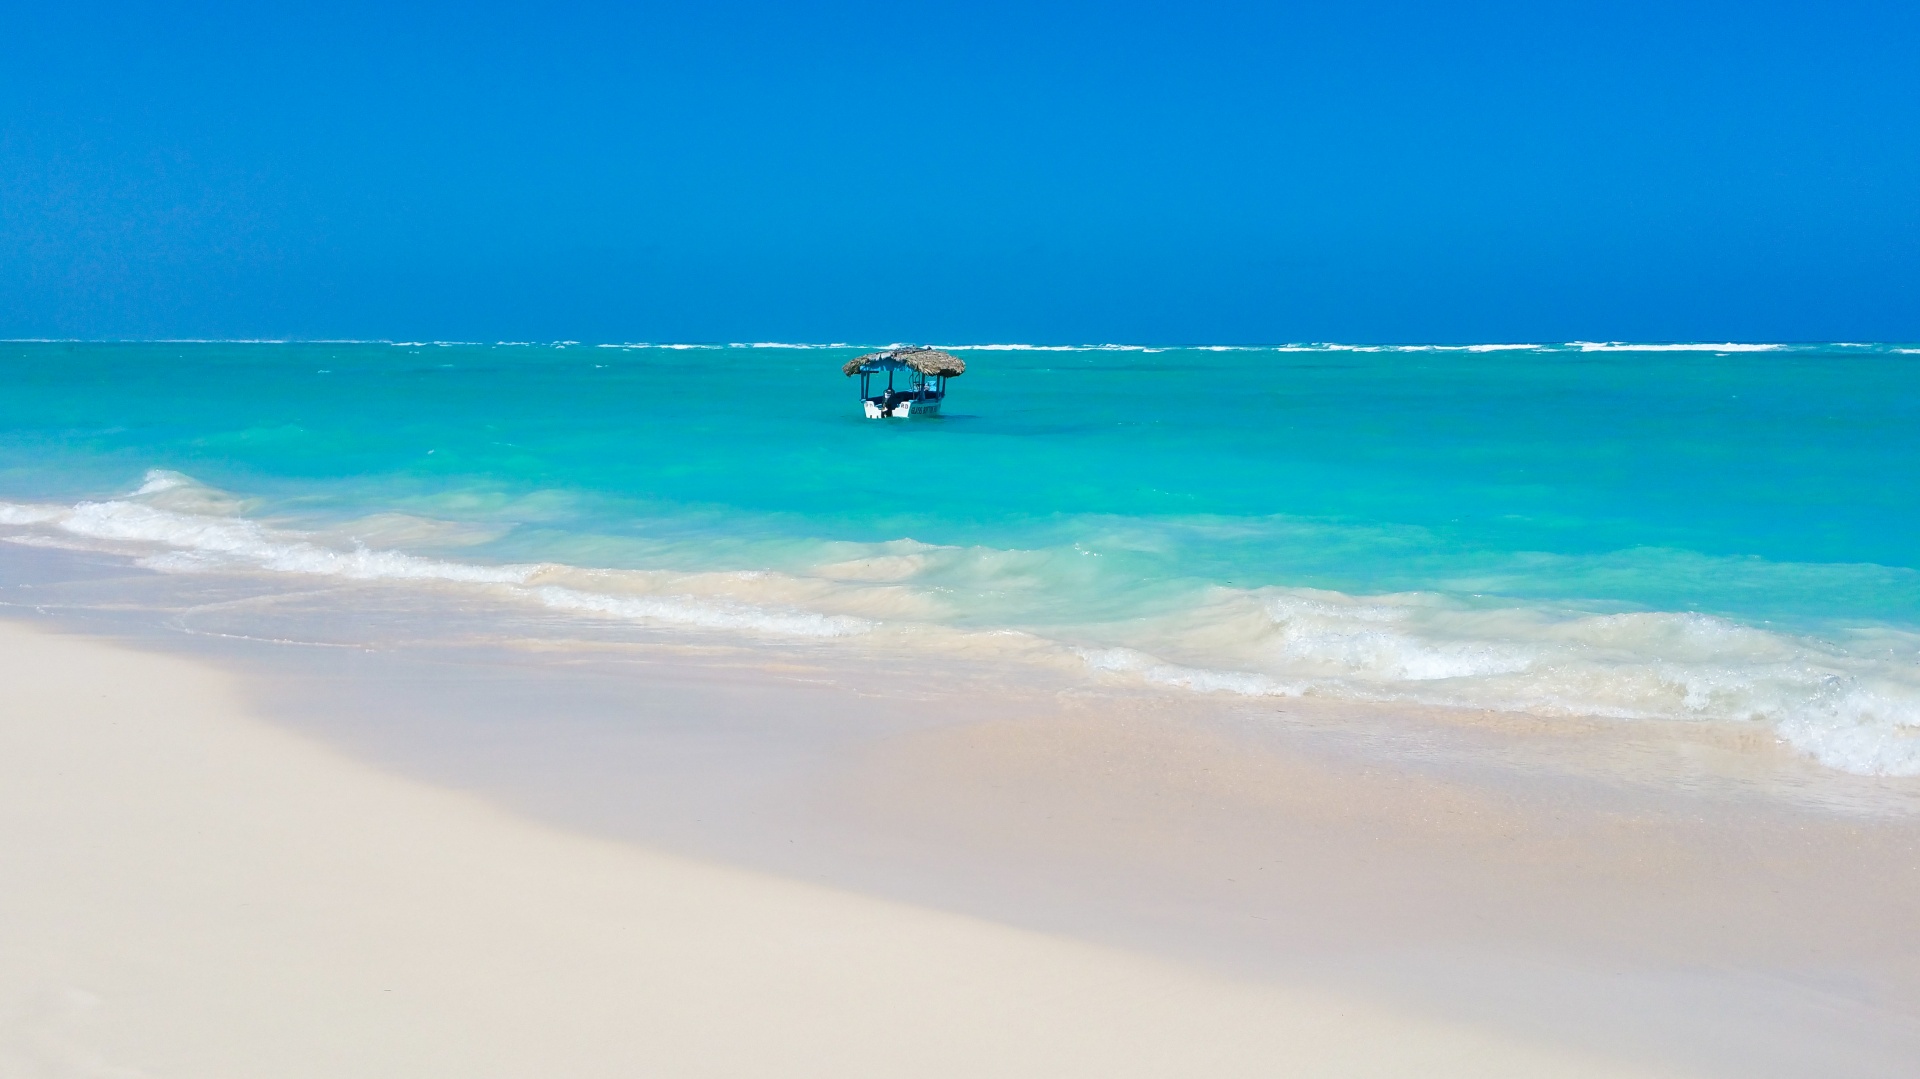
(1842,694)
(1668,899)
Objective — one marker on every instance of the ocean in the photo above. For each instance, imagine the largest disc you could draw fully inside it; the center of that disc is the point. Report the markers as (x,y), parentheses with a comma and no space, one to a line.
(1716,532)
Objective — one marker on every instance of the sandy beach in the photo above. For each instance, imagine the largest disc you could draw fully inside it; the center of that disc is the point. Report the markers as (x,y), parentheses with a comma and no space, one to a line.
(1030,541)
(359,830)
(188,891)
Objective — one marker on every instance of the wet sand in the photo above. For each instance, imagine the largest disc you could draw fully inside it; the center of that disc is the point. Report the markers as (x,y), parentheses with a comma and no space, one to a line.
(189,891)
(1490,894)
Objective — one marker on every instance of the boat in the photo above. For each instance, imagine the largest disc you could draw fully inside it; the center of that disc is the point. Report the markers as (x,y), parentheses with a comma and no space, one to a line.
(916,381)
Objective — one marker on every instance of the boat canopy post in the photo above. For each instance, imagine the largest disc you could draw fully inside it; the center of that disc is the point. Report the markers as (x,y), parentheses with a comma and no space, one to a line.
(918,392)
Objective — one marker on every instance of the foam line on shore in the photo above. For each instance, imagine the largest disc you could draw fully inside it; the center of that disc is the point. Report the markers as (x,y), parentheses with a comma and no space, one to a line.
(1854,708)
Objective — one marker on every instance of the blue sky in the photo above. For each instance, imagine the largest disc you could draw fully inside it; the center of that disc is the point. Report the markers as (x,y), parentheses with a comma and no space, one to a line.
(1196,172)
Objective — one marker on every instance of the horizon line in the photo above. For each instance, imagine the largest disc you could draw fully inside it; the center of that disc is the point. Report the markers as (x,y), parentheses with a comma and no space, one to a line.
(1621,345)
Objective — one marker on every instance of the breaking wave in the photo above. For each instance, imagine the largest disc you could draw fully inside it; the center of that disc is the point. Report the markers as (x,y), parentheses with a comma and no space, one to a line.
(166,525)
(1853,708)
(1849,699)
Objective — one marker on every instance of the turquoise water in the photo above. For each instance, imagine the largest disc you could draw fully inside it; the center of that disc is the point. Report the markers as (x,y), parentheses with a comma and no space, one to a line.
(1722,533)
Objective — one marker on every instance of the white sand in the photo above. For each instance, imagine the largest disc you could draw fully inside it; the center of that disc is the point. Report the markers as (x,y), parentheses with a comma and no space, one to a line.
(188,892)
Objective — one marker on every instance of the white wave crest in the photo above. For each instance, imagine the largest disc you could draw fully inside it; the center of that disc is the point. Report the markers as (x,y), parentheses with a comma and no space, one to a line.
(1857,712)
(26,513)
(1201,679)
(786,344)
(201,542)
(1852,706)
(1628,346)
(705,614)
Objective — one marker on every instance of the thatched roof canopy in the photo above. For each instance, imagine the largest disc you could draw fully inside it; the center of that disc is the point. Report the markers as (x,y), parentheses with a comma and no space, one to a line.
(927,361)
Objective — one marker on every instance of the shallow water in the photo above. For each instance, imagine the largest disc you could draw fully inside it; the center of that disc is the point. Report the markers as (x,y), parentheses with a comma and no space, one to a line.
(1720,533)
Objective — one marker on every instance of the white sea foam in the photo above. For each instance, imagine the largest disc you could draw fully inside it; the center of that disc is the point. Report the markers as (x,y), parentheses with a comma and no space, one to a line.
(786,344)
(1205,680)
(1308,347)
(643,344)
(30,539)
(170,540)
(1317,346)
(1030,348)
(1006,347)
(1330,346)
(159,480)
(1852,711)
(202,541)
(687,611)
(19,513)
(1853,704)
(1627,346)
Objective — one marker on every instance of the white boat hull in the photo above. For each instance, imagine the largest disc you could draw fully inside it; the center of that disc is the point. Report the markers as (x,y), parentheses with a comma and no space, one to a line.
(904,410)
